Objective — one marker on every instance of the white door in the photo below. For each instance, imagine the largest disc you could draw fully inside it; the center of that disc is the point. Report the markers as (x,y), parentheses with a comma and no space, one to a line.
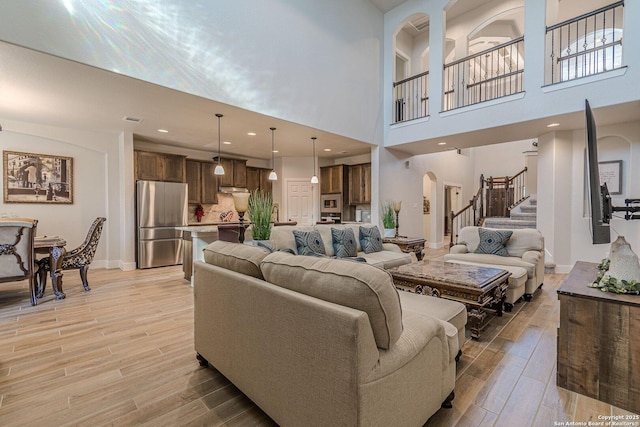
(300,202)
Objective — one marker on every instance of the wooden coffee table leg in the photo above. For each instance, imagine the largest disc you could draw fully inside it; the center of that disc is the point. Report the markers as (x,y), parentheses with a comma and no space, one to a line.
(476,319)
(56,256)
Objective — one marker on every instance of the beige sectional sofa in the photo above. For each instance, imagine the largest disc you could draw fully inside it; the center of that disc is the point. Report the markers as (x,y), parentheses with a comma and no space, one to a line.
(391,255)
(317,341)
(525,248)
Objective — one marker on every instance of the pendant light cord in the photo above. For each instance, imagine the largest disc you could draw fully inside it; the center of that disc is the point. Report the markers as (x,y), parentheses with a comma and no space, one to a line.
(219,151)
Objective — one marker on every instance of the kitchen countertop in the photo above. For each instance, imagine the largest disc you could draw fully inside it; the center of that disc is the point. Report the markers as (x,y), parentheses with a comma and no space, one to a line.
(199,228)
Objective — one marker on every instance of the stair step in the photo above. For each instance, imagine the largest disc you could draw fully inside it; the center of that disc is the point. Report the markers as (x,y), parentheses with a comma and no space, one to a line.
(528,208)
(530,216)
(533,201)
(497,222)
(549,268)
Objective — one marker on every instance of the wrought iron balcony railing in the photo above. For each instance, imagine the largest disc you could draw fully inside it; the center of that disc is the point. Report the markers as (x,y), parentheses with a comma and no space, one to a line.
(487,75)
(585,45)
(411,98)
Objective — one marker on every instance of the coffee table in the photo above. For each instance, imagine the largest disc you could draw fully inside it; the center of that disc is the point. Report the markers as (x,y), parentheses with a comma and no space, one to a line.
(478,288)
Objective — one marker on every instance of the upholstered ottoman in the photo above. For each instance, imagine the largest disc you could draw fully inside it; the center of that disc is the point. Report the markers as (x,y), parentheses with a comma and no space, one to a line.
(516,283)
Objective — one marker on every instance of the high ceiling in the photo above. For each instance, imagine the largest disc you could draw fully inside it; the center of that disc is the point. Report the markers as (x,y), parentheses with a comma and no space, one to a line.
(41,88)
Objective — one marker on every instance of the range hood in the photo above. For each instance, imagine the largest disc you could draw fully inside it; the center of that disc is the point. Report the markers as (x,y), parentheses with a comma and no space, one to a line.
(230,190)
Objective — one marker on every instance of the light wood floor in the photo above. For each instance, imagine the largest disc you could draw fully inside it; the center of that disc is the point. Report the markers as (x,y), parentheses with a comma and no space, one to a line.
(122,354)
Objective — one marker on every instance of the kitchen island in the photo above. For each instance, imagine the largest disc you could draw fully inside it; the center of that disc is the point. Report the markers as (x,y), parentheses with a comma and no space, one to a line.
(195,239)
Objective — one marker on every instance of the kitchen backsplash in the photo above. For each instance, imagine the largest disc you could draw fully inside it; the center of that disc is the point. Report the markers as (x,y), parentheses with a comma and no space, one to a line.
(212,213)
(215,213)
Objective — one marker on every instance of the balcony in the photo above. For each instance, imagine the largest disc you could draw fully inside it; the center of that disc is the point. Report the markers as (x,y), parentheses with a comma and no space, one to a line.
(486,75)
(585,45)
(411,98)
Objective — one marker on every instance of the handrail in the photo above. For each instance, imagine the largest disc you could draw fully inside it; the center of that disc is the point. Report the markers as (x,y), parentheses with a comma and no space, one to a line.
(586,15)
(408,79)
(485,52)
(474,212)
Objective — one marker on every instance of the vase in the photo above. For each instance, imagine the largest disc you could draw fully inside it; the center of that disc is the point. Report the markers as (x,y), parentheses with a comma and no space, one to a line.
(389,232)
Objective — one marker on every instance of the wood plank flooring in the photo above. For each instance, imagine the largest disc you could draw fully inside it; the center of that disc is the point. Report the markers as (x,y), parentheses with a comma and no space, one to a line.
(122,355)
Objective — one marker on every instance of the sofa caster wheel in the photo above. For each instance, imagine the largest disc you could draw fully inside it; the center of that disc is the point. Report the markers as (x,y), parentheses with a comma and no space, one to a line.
(203,362)
(508,307)
(458,355)
(527,297)
(447,403)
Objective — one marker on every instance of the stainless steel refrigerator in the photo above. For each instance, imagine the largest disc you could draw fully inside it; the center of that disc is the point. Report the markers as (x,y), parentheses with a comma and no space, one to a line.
(161,207)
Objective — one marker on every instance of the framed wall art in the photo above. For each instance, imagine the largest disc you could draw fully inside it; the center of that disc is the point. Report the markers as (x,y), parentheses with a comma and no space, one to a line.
(37,178)
(611,173)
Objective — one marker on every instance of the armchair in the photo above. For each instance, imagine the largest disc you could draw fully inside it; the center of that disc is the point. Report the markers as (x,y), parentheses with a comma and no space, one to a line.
(16,252)
(79,258)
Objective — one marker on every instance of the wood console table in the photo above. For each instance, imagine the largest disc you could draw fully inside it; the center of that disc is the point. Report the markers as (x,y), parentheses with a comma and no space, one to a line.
(599,341)
(408,244)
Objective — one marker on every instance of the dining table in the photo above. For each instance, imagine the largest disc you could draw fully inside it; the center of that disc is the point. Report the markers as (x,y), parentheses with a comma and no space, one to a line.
(54,246)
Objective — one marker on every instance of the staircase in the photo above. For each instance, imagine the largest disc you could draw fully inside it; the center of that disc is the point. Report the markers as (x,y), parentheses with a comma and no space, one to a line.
(522,216)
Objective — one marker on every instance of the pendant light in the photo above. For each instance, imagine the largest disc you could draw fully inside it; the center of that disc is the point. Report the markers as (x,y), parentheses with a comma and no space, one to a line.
(219,170)
(273,176)
(314,178)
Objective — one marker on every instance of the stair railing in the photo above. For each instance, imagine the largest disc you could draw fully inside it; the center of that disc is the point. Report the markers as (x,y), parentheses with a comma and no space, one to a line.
(495,197)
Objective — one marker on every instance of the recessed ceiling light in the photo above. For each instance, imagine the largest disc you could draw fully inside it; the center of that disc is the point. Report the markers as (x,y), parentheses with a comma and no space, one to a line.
(327,149)
(163,131)
(251,133)
(552,125)
(226,142)
(343,152)
(275,151)
(442,143)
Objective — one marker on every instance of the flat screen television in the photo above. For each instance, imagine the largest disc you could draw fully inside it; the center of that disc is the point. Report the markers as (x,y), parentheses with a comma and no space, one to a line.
(599,198)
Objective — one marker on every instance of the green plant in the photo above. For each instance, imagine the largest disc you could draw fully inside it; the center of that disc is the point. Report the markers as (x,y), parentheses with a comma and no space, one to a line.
(260,209)
(388,215)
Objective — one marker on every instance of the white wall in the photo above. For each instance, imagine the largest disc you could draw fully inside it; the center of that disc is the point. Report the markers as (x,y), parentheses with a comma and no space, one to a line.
(500,159)
(98,181)
(400,180)
(291,59)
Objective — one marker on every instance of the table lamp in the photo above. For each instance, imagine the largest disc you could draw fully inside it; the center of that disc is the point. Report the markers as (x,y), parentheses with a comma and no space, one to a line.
(241,203)
(396,207)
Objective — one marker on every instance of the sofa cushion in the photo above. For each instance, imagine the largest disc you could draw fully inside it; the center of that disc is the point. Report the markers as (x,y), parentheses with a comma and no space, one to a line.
(282,236)
(370,239)
(524,240)
(493,241)
(240,258)
(344,242)
(352,284)
(386,259)
(308,242)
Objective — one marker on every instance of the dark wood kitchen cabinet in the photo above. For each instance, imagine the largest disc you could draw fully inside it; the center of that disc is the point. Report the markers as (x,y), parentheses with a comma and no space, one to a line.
(360,184)
(258,179)
(154,166)
(203,184)
(235,173)
(332,179)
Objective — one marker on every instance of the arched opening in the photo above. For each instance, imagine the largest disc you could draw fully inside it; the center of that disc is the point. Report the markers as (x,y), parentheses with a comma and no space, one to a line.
(411,73)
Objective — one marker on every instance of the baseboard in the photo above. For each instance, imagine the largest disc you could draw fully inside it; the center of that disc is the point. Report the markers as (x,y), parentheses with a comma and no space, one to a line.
(563,269)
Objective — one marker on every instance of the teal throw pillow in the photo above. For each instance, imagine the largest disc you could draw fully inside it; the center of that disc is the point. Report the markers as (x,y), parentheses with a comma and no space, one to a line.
(370,239)
(308,242)
(493,241)
(344,242)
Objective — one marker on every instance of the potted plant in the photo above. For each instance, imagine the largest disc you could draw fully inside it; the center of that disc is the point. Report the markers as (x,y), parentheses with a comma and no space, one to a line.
(388,219)
(260,210)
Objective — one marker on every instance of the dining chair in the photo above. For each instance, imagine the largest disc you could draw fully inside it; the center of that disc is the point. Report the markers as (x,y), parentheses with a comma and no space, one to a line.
(17,253)
(79,258)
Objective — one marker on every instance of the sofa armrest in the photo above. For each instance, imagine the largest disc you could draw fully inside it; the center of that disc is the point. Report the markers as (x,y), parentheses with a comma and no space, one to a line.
(391,247)
(458,249)
(419,331)
(532,256)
